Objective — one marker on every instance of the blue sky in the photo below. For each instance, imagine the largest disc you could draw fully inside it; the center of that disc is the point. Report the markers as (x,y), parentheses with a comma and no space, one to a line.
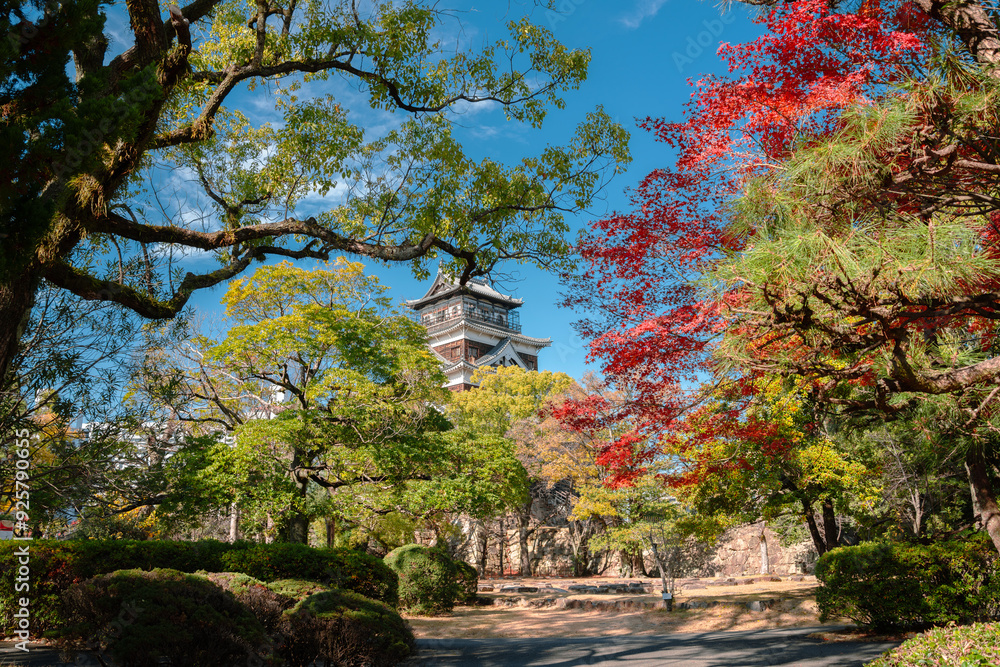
(644,52)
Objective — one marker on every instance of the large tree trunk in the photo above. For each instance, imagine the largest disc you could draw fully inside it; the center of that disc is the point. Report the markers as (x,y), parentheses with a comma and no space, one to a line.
(269,529)
(502,545)
(972,23)
(579,533)
(831,530)
(989,512)
(765,561)
(16,299)
(523,522)
(817,537)
(297,528)
(234,522)
(331,532)
(483,547)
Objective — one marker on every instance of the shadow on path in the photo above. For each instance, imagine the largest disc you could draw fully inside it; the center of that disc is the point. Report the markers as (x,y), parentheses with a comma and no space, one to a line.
(736,649)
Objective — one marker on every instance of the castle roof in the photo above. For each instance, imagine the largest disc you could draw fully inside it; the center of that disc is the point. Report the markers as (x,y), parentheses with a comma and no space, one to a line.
(445,286)
(487,329)
(503,350)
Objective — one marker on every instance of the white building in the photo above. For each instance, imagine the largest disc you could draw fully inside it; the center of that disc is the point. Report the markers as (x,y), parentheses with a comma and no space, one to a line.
(474,325)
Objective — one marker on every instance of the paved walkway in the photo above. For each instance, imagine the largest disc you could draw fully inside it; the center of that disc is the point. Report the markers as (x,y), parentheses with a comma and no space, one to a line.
(735,649)
(732,649)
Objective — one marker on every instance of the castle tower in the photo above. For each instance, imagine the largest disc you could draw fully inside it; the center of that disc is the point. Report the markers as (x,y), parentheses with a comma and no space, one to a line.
(474,325)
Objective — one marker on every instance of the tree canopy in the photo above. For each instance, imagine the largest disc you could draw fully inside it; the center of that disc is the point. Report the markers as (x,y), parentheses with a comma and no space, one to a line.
(318,401)
(830,217)
(93,150)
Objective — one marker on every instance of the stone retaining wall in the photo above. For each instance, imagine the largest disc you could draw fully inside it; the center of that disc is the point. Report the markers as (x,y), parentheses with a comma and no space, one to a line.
(635,605)
(738,553)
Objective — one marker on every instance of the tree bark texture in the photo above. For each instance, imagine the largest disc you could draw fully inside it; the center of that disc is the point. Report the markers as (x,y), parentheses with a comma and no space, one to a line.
(765,561)
(831,531)
(810,515)
(989,511)
(523,532)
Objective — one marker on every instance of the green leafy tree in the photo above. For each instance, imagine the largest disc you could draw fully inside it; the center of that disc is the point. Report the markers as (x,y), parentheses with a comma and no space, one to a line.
(512,403)
(925,488)
(773,458)
(80,141)
(646,518)
(320,381)
(89,451)
(328,394)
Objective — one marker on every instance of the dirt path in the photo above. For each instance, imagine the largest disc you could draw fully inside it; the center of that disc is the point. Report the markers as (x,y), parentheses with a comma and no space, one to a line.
(796,608)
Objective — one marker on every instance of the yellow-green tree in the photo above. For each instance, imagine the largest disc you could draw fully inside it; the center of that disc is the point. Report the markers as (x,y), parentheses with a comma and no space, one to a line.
(644,517)
(772,457)
(329,395)
(509,403)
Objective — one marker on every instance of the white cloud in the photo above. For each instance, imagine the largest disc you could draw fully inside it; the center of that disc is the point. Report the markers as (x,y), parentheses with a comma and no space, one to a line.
(315,203)
(643,10)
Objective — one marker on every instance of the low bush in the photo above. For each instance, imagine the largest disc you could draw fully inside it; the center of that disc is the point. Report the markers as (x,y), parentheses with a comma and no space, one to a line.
(348,630)
(141,617)
(888,586)
(976,645)
(427,582)
(56,565)
(259,598)
(337,568)
(467,580)
(297,589)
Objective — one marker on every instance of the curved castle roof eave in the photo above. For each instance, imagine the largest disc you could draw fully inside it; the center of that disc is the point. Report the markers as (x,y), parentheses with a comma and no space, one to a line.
(476,286)
(503,349)
(497,332)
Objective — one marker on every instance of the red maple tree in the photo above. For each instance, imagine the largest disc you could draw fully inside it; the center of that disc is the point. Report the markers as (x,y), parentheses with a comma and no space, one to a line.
(650,323)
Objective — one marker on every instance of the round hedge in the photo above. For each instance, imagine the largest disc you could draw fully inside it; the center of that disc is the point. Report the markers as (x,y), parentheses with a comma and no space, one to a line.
(264,603)
(57,565)
(427,583)
(337,568)
(297,589)
(141,617)
(890,585)
(467,580)
(351,630)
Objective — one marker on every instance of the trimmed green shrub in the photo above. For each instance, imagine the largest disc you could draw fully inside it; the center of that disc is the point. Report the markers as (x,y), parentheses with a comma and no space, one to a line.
(140,617)
(467,580)
(350,630)
(889,586)
(56,565)
(297,589)
(426,579)
(337,568)
(976,645)
(264,603)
